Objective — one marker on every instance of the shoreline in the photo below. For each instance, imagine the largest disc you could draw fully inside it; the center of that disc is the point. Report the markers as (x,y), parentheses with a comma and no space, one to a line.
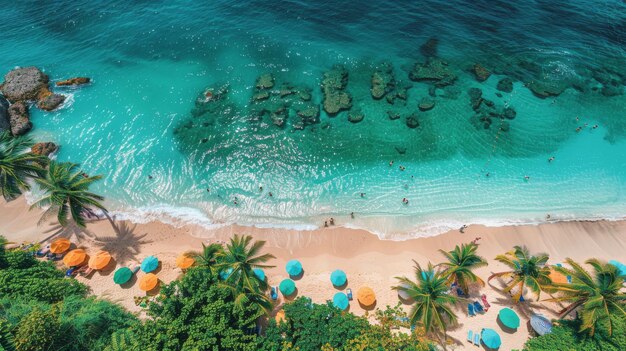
(365,258)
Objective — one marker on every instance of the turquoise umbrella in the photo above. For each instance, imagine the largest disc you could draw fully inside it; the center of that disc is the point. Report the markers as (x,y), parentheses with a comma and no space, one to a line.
(149,264)
(490,338)
(226,273)
(338,277)
(122,275)
(340,300)
(294,267)
(259,274)
(287,287)
(620,267)
(509,318)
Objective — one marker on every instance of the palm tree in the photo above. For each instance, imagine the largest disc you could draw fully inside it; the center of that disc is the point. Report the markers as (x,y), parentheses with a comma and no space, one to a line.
(67,194)
(598,293)
(209,255)
(17,165)
(433,304)
(7,343)
(461,261)
(527,271)
(241,257)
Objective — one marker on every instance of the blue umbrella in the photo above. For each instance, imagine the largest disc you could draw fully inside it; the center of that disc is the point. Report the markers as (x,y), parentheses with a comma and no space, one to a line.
(259,274)
(294,267)
(541,324)
(490,338)
(340,300)
(338,277)
(149,264)
(226,273)
(620,267)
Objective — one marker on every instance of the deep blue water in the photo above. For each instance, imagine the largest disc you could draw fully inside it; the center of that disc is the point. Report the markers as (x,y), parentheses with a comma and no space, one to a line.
(149,60)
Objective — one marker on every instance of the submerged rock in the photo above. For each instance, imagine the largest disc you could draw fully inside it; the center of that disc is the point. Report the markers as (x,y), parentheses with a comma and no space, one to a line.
(260,96)
(19,118)
(309,114)
(505,85)
(480,72)
(50,102)
(429,48)
(435,71)
(24,84)
(44,149)
(509,113)
(382,81)
(73,81)
(393,115)
(355,116)
(426,104)
(412,121)
(304,94)
(333,85)
(545,89)
(476,99)
(265,81)
(401,150)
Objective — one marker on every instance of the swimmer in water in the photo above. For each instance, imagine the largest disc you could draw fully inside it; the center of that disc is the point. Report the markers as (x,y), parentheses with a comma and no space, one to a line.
(149,176)
(270,194)
(526,178)
(551,159)
(362,194)
(390,163)
(332,221)
(352,215)
(260,188)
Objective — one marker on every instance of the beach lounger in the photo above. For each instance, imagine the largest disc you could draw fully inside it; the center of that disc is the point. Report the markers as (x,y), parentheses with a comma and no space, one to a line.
(470,335)
(70,272)
(273,293)
(459,292)
(470,310)
(478,307)
(349,293)
(85,271)
(477,339)
(485,302)
(43,252)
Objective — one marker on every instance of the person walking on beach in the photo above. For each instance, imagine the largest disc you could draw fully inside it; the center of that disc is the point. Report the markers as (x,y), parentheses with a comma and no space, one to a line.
(332,221)
(325,224)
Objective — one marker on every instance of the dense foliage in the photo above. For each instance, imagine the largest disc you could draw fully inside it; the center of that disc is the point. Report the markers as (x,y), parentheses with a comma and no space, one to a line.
(17,165)
(567,338)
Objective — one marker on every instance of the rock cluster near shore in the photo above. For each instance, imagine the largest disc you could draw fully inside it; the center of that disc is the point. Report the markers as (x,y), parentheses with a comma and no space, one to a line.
(336,97)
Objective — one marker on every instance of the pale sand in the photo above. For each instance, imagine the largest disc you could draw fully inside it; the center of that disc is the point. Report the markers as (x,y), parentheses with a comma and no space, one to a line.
(366,259)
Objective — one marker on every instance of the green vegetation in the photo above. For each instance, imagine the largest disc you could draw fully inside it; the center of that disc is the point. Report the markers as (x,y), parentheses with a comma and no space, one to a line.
(461,262)
(17,165)
(526,271)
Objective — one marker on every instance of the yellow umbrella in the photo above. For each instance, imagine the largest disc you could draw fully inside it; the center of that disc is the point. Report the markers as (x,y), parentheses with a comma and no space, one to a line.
(184,261)
(60,245)
(366,296)
(280,316)
(100,260)
(557,277)
(75,257)
(148,282)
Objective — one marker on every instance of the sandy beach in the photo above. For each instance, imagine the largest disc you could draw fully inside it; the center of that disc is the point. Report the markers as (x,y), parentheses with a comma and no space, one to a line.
(365,258)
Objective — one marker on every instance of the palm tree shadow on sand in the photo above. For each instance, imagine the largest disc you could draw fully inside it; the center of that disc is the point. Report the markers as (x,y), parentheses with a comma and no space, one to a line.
(71,231)
(125,244)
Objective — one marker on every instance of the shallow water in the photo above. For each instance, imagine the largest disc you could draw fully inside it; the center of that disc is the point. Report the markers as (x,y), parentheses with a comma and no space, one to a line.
(150,60)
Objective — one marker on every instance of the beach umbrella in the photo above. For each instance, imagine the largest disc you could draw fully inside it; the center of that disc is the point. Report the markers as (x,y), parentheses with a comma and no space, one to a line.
(60,245)
(366,296)
(259,274)
(620,266)
(509,318)
(280,316)
(540,324)
(149,264)
(294,268)
(100,260)
(338,277)
(490,338)
(340,300)
(403,294)
(287,287)
(75,257)
(557,277)
(226,273)
(148,282)
(184,261)
(122,275)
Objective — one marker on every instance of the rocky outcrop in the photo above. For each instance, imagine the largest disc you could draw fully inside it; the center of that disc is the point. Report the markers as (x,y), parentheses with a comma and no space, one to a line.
(50,102)
(19,118)
(393,115)
(434,71)
(44,149)
(545,89)
(505,85)
(383,81)
(4,115)
(334,83)
(412,121)
(480,72)
(612,82)
(265,81)
(308,115)
(509,113)
(355,116)
(476,98)
(426,104)
(24,84)
(73,82)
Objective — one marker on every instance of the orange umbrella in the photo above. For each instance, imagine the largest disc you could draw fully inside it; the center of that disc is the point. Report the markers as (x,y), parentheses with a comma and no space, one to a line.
(184,261)
(366,296)
(557,277)
(148,282)
(280,316)
(100,260)
(75,257)
(60,245)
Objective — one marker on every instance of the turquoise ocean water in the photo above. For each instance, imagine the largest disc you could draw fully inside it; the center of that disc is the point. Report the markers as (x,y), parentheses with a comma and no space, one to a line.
(149,61)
